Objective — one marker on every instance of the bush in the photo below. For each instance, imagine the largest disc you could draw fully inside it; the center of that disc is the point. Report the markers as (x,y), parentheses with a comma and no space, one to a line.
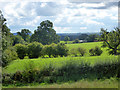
(55,50)
(34,50)
(49,50)
(76,41)
(73,51)
(61,49)
(8,55)
(81,51)
(21,50)
(95,51)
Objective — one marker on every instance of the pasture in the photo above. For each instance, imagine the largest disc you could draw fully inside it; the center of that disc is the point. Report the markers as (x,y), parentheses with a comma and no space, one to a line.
(71,63)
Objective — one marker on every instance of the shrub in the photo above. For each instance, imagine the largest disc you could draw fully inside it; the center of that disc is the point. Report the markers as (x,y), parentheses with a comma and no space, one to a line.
(73,51)
(61,49)
(49,50)
(8,55)
(34,50)
(21,50)
(81,51)
(76,41)
(95,51)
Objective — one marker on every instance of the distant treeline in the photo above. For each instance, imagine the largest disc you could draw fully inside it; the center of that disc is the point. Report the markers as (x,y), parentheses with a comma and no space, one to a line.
(74,36)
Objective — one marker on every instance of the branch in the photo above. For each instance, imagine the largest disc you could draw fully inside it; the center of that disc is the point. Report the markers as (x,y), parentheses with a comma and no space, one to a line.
(109,45)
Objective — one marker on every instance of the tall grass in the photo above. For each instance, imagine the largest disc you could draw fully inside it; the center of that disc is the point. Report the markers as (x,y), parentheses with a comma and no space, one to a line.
(69,69)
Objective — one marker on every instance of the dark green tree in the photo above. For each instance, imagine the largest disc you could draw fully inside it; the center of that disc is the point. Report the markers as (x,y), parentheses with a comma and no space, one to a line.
(83,36)
(91,37)
(8,53)
(111,40)
(76,41)
(21,50)
(45,33)
(34,50)
(16,39)
(25,34)
(66,39)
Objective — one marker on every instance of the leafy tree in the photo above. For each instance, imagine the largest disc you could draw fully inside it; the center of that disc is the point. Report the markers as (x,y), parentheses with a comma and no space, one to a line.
(34,50)
(91,37)
(111,40)
(49,50)
(73,51)
(66,39)
(21,50)
(61,50)
(81,51)
(6,40)
(83,36)
(8,55)
(16,39)
(76,41)
(45,33)
(95,51)
(25,34)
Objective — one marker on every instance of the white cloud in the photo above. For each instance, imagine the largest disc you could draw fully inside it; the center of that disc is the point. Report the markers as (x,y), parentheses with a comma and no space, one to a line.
(43,4)
(33,22)
(65,16)
(83,27)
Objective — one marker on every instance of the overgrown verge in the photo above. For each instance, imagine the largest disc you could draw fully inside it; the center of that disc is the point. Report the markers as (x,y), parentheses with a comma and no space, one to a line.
(70,71)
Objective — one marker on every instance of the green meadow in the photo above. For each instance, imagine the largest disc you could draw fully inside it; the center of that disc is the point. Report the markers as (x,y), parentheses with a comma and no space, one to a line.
(41,64)
(20,64)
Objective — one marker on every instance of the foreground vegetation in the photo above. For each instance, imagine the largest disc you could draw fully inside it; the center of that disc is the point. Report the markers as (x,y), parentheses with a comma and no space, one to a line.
(42,72)
(60,70)
(107,83)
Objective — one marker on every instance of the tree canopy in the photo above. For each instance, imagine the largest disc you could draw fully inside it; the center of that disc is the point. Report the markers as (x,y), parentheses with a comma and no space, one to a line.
(111,40)
(25,34)
(45,33)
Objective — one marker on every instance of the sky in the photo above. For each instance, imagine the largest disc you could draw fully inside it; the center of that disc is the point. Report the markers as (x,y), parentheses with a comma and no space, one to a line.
(68,16)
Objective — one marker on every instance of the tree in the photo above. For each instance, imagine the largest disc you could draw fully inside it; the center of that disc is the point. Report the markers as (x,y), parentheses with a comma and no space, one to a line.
(16,39)
(95,51)
(83,36)
(66,39)
(91,37)
(61,50)
(21,50)
(81,51)
(9,55)
(49,50)
(45,33)
(34,50)
(111,40)
(76,41)
(6,40)
(25,34)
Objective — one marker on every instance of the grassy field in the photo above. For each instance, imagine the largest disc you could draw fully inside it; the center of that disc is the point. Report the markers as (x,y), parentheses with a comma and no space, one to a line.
(20,65)
(88,46)
(59,62)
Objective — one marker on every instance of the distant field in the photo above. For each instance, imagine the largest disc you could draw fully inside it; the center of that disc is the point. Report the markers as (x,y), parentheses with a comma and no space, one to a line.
(88,46)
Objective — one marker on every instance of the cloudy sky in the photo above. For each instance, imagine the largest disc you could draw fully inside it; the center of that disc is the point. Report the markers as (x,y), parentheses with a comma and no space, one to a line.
(68,16)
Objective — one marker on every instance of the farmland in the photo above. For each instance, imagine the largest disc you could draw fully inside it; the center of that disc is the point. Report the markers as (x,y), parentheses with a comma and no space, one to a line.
(58,63)
(40,62)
